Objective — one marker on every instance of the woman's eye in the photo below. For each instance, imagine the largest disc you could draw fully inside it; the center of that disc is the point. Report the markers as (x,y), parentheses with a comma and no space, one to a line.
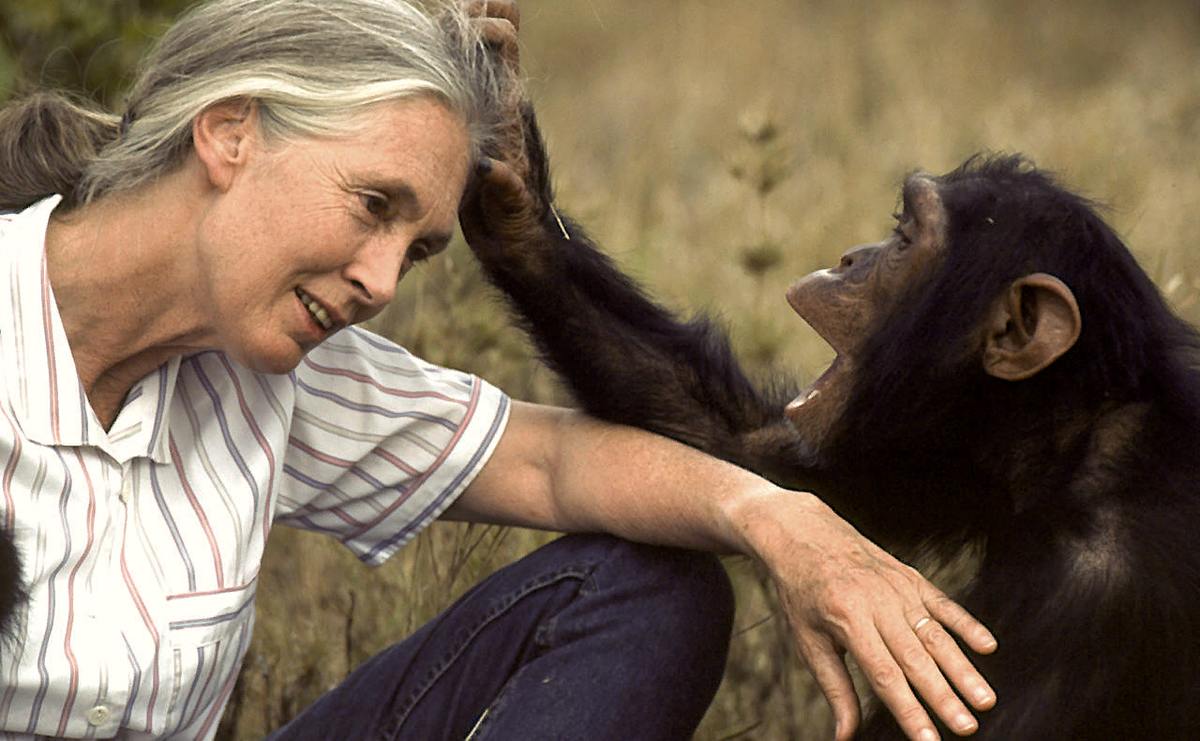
(417,253)
(375,204)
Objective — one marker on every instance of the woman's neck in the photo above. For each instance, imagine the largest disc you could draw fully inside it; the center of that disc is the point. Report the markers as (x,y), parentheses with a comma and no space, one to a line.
(123,278)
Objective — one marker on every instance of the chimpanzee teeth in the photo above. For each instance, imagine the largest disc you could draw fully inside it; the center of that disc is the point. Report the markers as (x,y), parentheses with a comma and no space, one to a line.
(316,310)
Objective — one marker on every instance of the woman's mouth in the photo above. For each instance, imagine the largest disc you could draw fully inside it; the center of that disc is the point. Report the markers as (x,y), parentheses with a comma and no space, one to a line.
(317,311)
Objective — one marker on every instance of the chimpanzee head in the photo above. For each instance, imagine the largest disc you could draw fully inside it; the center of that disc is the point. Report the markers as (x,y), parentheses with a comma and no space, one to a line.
(998,301)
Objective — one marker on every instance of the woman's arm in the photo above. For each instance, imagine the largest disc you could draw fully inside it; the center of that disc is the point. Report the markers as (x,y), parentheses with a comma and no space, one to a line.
(561,470)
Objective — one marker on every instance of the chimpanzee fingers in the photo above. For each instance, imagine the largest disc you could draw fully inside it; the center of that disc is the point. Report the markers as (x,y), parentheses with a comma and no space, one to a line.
(501,37)
(506,9)
(499,21)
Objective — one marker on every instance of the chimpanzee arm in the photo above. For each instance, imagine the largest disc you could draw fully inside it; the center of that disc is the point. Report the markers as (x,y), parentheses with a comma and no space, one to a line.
(624,357)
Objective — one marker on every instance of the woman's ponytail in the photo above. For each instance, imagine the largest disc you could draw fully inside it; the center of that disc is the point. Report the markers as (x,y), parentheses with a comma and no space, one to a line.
(47,140)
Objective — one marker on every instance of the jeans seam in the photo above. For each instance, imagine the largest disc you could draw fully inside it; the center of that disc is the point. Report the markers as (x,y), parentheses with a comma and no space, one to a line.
(579,571)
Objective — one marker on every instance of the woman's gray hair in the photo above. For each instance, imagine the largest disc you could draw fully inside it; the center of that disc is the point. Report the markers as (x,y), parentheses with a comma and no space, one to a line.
(311,67)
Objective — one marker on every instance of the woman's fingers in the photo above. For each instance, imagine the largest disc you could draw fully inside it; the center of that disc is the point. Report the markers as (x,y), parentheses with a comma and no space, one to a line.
(843,593)
(928,661)
(961,623)
(828,667)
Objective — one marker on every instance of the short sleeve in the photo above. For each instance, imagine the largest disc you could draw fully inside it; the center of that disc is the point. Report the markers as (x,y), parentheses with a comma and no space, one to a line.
(381,442)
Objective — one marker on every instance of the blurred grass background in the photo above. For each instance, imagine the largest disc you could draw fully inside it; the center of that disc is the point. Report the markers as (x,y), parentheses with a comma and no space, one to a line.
(718,149)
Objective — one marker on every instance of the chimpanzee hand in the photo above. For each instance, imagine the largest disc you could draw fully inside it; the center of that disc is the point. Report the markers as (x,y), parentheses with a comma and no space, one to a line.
(842,593)
(508,198)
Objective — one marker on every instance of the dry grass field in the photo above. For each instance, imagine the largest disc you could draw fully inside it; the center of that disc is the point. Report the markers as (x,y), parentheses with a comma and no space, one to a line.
(719,149)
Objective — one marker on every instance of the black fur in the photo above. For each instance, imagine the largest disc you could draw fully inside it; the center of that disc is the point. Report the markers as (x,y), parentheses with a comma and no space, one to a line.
(1081,485)
(12,591)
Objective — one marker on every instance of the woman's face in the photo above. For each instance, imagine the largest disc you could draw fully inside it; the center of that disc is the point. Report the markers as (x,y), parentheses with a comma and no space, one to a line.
(310,236)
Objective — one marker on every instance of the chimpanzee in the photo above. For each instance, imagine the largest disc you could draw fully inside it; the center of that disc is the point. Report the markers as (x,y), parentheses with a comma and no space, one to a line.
(1007,378)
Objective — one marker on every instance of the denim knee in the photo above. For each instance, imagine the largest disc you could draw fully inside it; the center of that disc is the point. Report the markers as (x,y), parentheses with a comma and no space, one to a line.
(678,604)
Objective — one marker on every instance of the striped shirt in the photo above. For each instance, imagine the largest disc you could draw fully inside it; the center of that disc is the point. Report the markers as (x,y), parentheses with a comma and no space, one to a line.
(142,543)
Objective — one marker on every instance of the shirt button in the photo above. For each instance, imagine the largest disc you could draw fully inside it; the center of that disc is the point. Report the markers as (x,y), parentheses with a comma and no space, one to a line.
(98,715)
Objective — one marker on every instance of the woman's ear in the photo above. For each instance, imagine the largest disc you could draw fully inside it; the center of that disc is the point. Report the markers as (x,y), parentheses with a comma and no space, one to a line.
(1030,326)
(221,134)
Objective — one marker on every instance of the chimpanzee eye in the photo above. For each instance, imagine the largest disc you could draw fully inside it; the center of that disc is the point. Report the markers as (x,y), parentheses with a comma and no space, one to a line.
(898,230)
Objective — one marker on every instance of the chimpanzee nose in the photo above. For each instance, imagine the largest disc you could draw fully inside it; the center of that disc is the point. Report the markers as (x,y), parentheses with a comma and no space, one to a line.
(859,257)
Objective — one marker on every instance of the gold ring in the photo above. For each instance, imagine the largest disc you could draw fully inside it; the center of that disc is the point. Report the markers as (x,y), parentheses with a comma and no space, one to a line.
(921,622)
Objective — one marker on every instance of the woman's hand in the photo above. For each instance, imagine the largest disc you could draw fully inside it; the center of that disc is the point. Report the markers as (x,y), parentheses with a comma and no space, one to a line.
(841,593)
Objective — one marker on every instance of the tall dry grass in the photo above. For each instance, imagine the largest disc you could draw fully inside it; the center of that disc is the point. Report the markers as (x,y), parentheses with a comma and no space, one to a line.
(719,149)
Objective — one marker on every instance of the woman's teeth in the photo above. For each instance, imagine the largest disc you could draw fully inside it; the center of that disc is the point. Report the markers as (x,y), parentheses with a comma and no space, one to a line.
(318,312)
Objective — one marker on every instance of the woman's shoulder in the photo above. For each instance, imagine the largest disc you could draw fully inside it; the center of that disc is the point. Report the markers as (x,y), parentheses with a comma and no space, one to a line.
(358,349)
(381,366)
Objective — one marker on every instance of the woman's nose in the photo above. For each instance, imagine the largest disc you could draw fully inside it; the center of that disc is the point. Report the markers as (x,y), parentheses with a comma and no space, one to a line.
(376,270)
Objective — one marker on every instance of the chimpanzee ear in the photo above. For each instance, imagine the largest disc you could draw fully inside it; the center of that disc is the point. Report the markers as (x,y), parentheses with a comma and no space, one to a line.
(1030,326)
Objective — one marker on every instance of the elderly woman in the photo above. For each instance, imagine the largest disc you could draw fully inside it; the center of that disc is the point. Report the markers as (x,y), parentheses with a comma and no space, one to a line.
(178,372)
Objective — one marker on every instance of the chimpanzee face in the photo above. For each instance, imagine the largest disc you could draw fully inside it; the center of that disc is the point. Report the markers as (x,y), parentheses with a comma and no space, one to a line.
(845,304)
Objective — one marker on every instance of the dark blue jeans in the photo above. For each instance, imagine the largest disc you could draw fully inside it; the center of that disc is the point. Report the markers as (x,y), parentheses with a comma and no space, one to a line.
(589,637)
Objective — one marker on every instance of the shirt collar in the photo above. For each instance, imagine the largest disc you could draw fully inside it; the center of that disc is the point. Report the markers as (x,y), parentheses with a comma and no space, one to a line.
(43,386)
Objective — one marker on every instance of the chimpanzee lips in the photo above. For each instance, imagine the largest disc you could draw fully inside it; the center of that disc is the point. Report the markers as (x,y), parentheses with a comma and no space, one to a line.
(317,311)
